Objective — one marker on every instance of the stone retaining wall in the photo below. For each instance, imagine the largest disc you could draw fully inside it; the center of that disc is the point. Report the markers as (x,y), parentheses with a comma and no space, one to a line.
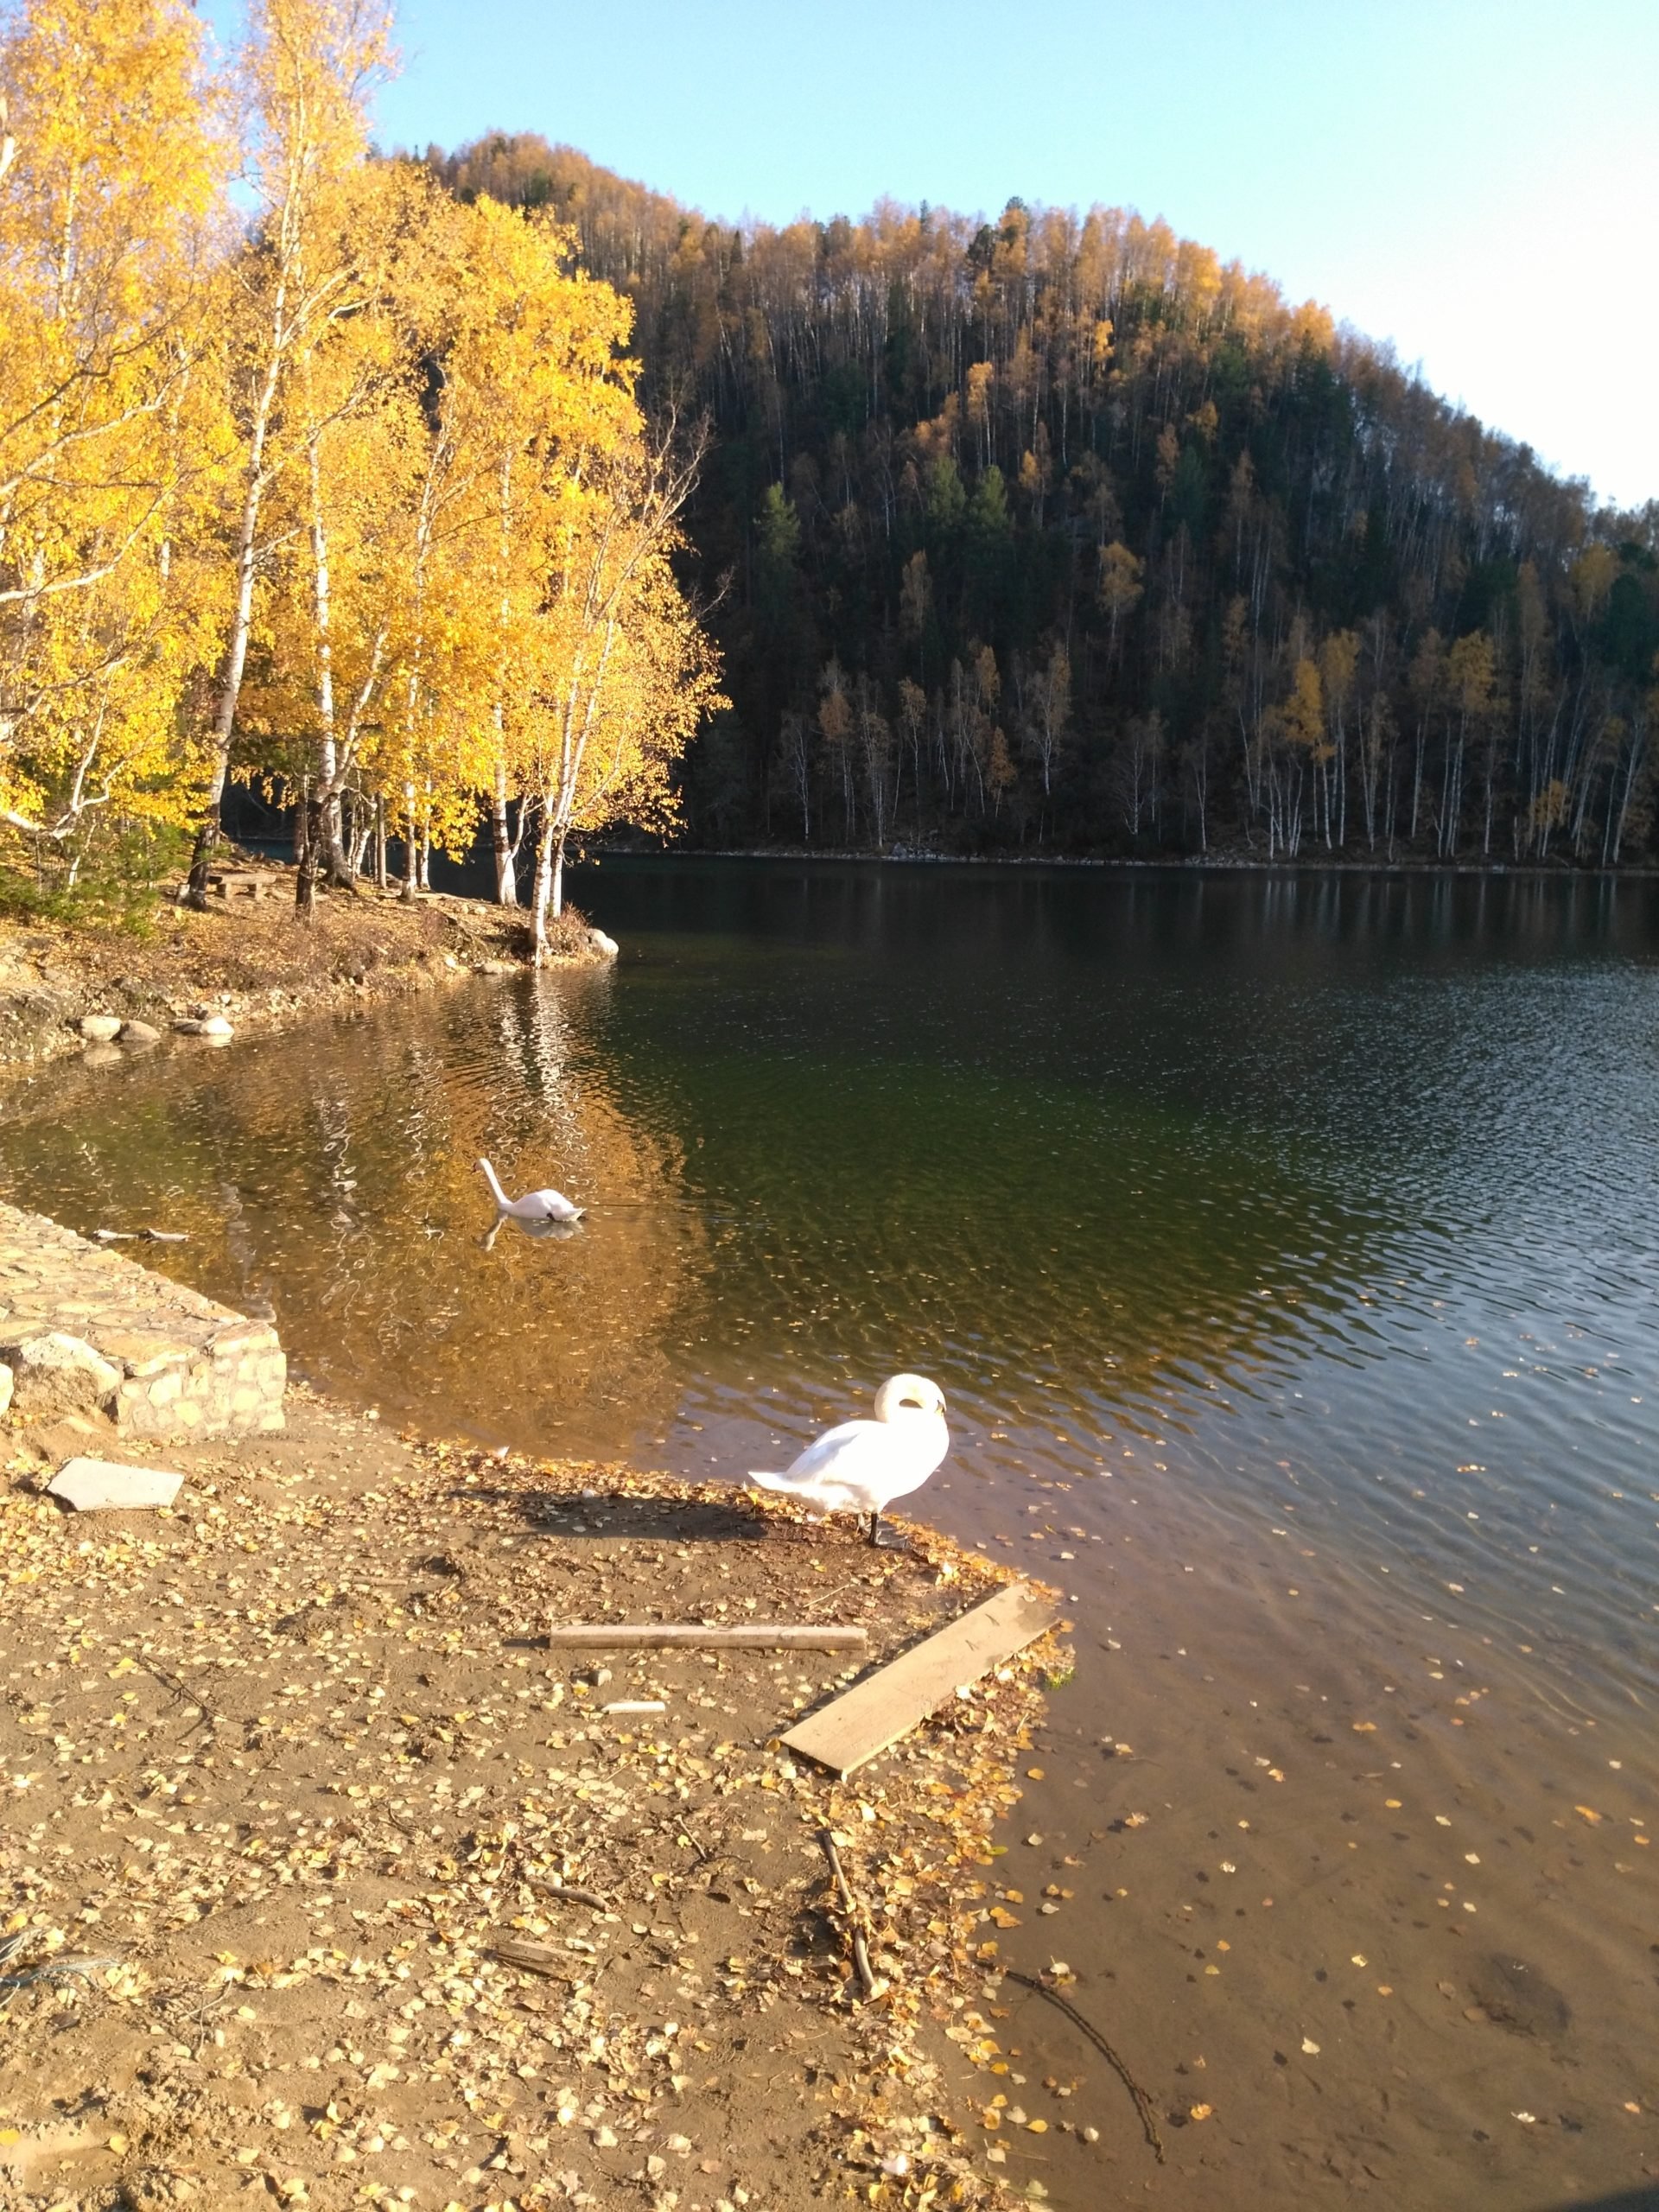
(85,1329)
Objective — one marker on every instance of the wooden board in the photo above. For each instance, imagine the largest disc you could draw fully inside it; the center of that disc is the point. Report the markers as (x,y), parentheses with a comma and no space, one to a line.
(661,1635)
(878,1711)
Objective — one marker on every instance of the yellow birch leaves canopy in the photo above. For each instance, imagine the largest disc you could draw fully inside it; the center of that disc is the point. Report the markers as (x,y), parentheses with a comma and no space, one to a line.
(111,417)
(419,413)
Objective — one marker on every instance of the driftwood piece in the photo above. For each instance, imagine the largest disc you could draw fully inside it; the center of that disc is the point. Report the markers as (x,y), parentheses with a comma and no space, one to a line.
(668,1635)
(888,1704)
(534,1958)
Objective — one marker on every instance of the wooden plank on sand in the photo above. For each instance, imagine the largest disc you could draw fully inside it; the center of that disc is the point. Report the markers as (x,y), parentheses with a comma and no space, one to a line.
(662,1635)
(877,1711)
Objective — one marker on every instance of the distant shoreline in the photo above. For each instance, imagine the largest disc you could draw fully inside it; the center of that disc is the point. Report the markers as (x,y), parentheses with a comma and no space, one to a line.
(1187,864)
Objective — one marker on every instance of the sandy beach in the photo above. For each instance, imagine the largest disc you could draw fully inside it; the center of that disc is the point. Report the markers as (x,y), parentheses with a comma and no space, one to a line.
(289,1769)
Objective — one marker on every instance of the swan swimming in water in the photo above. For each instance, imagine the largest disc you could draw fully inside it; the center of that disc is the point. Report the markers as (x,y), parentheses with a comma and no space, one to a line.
(535,1205)
(862,1465)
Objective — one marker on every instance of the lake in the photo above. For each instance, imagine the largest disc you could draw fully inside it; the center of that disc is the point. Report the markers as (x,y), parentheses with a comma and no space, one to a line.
(1285,1246)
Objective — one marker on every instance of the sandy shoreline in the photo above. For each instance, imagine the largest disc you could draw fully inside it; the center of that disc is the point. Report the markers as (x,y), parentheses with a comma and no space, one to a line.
(294,1759)
(1345,1913)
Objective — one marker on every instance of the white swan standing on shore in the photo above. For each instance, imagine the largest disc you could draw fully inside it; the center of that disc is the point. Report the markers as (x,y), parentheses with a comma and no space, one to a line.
(535,1205)
(861,1466)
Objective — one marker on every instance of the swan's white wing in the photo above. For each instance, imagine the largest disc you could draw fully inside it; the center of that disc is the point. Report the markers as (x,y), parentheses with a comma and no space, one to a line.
(857,1467)
(553,1204)
(839,1453)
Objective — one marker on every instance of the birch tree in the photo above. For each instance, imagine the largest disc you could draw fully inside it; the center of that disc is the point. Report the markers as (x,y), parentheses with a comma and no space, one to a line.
(623,673)
(310,68)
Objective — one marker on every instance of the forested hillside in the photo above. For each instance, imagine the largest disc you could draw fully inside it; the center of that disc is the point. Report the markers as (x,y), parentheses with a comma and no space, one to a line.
(1057,531)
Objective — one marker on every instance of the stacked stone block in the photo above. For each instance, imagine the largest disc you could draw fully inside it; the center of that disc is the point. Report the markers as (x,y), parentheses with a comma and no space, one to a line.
(84,1329)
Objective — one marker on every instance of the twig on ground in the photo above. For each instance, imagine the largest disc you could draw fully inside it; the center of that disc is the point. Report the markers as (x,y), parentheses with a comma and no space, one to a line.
(53,1969)
(567,1891)
(850,1907)
(182,1694)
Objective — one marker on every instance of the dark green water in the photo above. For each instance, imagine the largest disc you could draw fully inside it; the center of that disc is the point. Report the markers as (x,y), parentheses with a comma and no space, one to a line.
(1247,1197)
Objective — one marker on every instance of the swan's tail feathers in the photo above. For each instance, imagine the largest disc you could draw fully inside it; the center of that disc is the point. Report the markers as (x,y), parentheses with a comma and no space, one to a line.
(771,1481)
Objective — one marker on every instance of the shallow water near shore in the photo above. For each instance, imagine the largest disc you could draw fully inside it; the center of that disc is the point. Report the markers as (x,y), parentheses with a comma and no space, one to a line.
(1285,1247)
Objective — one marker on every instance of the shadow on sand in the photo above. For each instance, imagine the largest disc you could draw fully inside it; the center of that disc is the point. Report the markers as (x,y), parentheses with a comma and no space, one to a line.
(656,1520)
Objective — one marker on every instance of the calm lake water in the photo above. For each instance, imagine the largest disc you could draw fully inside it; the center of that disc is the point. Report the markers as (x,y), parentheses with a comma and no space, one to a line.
(1286,1248)
(1253,1196)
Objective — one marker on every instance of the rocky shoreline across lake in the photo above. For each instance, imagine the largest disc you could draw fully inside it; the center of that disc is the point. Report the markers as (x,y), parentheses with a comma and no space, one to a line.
(329,1882)
(247,963)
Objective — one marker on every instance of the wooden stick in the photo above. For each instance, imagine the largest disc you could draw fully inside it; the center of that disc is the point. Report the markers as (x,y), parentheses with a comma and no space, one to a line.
(849,1906)
(568,1891)
(660,1636)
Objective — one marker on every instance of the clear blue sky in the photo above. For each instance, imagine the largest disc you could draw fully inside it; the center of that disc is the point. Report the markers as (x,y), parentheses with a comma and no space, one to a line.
(1476,180)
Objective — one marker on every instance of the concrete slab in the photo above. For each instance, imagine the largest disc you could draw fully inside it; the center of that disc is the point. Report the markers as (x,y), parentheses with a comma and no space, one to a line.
(107,1486)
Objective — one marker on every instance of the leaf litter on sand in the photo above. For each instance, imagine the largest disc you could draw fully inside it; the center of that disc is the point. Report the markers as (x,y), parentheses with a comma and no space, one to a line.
(291,1757)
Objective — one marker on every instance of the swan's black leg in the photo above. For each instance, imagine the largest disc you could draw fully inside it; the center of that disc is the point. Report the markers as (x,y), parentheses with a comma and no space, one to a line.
(884,1542)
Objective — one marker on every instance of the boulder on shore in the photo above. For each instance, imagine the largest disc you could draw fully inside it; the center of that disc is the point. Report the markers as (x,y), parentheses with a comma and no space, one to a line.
(100,1028)
(211,1024)
(53,1373)
(140,1032)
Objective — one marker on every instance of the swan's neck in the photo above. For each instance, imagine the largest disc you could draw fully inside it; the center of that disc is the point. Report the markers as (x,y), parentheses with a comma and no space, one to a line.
(895,1405)
(493,1180)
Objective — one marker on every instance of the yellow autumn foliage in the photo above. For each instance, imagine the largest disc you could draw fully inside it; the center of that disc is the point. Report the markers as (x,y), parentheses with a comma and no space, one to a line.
(352,497)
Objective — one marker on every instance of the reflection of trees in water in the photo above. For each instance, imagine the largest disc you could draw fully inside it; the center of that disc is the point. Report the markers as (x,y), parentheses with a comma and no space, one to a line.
(538,1044)
(1051,1251)
(332,1171)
